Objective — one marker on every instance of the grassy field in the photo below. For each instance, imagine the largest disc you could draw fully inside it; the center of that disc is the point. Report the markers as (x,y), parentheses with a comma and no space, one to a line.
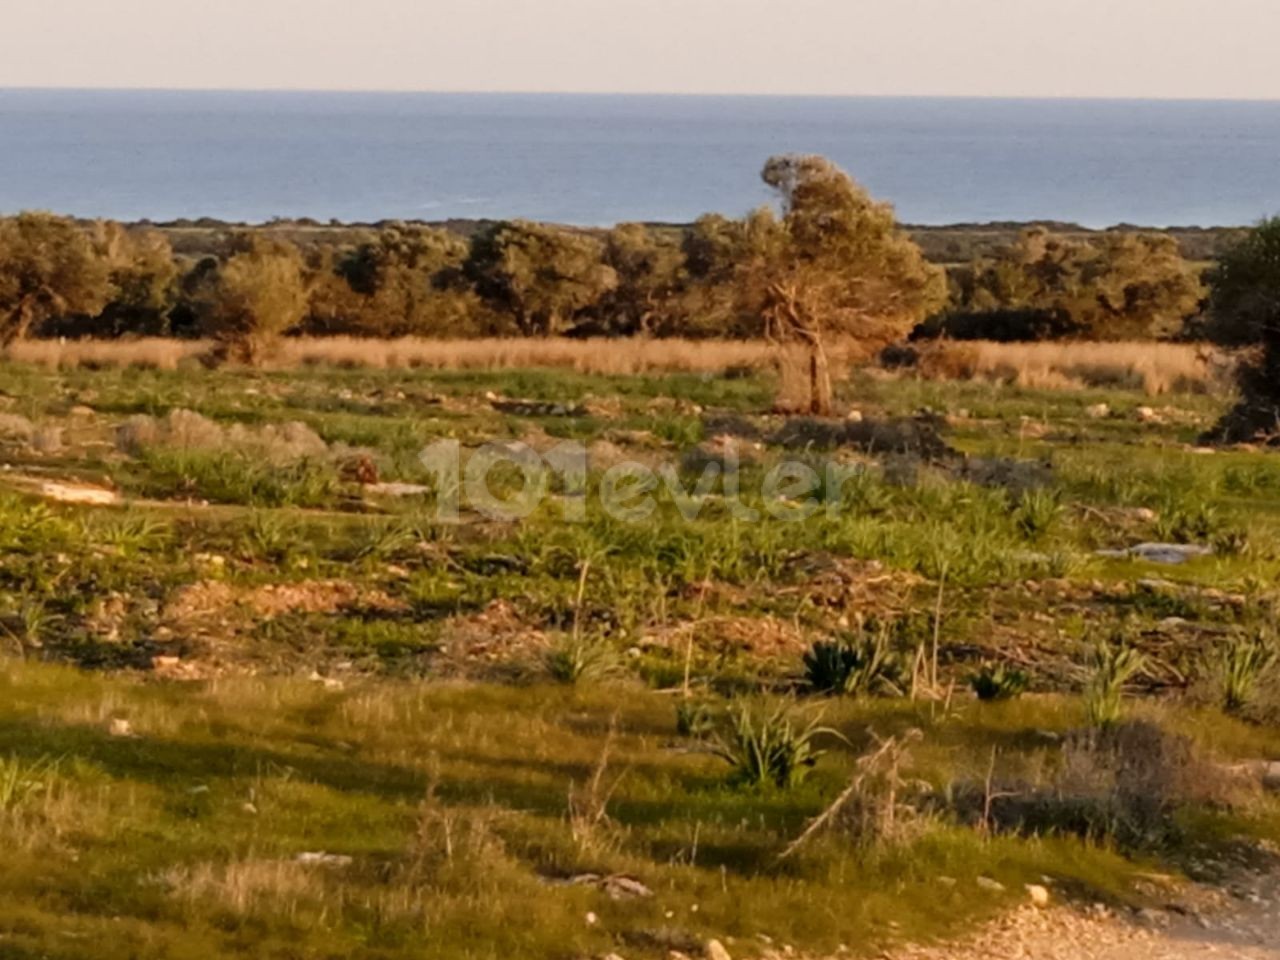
(260,706)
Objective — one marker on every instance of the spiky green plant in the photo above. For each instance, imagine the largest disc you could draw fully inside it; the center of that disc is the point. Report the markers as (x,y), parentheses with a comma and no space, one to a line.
(1037,512)
(856,665)
(1115,663)
(1242,662)
(768,746)
(998,681)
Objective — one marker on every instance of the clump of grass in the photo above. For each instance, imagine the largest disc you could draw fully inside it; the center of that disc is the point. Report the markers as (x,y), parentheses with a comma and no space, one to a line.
(574,659)
(21,781)
(768,747)
(992,682)
(1115,663)
(858,665)
(1242,663)
(27,622)
(1037,512)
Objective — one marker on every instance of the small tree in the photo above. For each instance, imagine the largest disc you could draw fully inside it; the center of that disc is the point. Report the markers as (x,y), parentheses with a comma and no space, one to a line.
(254,295)
(835,265)
(48,269)
(1245,311)
(542,276)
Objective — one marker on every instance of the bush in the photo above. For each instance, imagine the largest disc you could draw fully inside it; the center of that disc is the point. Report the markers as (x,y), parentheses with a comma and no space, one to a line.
(858,665)
(1115,663)
(998,682)
(1242,663)
(767,747)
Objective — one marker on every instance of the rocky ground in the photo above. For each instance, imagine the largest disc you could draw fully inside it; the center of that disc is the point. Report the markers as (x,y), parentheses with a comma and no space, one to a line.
(1246,927)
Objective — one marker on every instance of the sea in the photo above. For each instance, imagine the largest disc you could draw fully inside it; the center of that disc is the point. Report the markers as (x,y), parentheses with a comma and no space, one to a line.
(602,159)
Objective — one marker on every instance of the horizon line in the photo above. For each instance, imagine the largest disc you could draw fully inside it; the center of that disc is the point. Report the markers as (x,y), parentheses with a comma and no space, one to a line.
(758,95)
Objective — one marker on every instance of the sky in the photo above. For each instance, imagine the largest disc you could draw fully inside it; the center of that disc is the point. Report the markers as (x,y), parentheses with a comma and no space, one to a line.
(1027,48)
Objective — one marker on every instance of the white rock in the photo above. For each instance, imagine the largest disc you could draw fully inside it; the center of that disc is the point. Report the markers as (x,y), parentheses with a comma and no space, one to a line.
(120,727)
(1098,411)
(992,886)
(76,493)
(1039,895)
(714,950)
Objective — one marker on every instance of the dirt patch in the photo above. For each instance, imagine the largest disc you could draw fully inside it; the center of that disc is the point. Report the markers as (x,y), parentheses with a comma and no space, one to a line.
(216,600)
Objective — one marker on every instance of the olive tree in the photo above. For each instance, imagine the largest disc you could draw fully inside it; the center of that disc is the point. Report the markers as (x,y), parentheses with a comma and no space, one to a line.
(257,292)
(48,269)
(1245,311)
(542,276)
(834,265)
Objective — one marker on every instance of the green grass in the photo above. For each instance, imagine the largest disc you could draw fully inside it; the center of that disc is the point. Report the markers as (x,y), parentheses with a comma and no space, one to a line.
(452,802)
(445,760)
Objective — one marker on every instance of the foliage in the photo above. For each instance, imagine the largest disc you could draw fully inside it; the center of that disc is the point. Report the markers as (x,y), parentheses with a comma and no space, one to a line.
(855,665)
(256,294)
(48,269)
(404,280)
(1246,312)
(1242,663)
(573,659)
(998,681)
(541,276)
(768,746)
(1115,663)
(1118,286)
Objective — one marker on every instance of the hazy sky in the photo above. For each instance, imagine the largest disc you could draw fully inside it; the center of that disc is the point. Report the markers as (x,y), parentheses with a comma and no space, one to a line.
(1141,48)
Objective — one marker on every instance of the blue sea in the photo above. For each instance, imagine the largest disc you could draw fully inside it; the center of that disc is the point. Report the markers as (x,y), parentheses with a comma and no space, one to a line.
(597,160)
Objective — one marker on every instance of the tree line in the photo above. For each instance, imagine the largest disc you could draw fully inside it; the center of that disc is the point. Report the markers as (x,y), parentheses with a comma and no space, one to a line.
(826,259)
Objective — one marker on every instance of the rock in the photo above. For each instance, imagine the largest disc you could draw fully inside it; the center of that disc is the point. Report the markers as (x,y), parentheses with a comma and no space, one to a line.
(120,727)
(714,950)
(1039,895)
(1166,553)
(321,859)
(1099,411)
(991,886)
(591,918)
(82,412)
(1147,415)
(854,416)
(396,489)
(78,493)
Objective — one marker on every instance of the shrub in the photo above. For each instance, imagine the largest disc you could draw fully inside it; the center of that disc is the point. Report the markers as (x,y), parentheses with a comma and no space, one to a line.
(998,682)
(1037,512)
(1115,663)
(857,665)
(581,659)
(1242,662)
(768,747)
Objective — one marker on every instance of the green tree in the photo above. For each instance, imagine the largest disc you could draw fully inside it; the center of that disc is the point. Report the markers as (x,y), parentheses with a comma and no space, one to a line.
(541,276)
(254,295)
(143,275)
(48,269)
(1245,310)
(404,280)
(834,265)
(650,277)
(1118,286)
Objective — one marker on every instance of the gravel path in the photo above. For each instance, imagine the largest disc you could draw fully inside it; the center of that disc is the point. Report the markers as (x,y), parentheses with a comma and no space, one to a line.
(1246,928)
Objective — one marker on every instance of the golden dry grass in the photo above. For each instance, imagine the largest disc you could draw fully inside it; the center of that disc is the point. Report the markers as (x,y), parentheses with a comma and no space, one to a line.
(1155,368)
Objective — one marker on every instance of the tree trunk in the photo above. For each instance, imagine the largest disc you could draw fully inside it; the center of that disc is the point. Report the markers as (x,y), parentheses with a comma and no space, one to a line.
(820,393)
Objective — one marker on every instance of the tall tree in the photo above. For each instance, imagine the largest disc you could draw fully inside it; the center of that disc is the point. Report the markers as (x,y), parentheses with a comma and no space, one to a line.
(835,265)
